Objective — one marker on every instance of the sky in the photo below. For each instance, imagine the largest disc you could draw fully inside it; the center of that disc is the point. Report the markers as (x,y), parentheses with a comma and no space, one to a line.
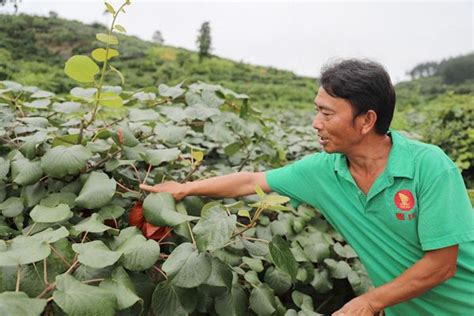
(300,36)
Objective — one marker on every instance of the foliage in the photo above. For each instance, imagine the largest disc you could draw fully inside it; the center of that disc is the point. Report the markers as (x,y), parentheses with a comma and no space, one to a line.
(39,46)
(449,124)
(70,170)
(204,41)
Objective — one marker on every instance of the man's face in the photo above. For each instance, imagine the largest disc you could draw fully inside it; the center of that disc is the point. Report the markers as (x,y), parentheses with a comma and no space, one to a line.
(334,122)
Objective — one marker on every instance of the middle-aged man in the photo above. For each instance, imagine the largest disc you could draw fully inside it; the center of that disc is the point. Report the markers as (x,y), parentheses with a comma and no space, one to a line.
(401,204)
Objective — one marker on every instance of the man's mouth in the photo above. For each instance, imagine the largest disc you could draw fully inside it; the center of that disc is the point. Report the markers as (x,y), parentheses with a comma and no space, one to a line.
(323,140)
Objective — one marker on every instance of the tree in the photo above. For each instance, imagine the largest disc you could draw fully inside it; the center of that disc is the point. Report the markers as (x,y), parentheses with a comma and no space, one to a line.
(158,37)
(15,3)
(204,41)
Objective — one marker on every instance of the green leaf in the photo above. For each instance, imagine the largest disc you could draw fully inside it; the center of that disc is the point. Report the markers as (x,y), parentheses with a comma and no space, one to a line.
(120,28)
(317,252)
(101,55)
(4,167)
(28,148)
(221,274)
(110,8)
(170,134)
(303,301)
(218,132)
(97,191)
(22,250)
(106,38)
(61,160)
(166,301)
(187,267)
(172,92)
(51,236)
(279,281)
(137,115)
(45,214)
(111,211)
(54,199)
(96,254)
(138,253)
(260,192)
(321,282)
(201,113)
(338,269)
(256,248)
(93,224)
(32,194)
(18,303)
(262,300)
(78,299)
(158,156)
(123,288)
(111,100)
(214,229)
(11,207)
(66,140)
(282,256)
(232,149)
(254,264)
(345,251)
(159,209)
(25,172)
(81,68)
(233,303)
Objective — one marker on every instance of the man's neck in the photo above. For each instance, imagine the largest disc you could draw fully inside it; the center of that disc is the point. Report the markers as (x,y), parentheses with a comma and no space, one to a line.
(370,156)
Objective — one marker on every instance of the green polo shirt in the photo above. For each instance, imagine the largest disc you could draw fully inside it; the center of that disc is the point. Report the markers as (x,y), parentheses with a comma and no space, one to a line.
(418,203)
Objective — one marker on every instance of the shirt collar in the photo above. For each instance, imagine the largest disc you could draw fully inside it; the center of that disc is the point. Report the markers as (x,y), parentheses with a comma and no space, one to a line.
(400,161)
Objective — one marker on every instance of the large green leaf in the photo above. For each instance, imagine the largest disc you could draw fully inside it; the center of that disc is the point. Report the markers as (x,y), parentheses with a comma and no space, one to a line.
(338,269)
(18,303)
(101,54)
(221,274)
(96,254)
(51,236)
(107,39)
(160,209)
(199,112)
(233,303)
(187,267)
(262,300)
(123,288)
(282,256)
(138,253)
(28,148)
(214,229)
(158,156)
(81,68)
(23,250)
(166,301)
(172,92)
(61,160)
(317,252)
(97,191)
(55,199)
(303,301)
(136,115)
(78,299)
(322,282)
(279,281)
(169,133)
(92,224)
(45,214)
(219,132)
(25,172)
(256,248)
(110,99)
(32,194)
(11,207)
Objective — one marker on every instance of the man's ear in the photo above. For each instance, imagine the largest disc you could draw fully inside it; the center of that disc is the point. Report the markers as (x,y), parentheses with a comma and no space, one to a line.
(368,121)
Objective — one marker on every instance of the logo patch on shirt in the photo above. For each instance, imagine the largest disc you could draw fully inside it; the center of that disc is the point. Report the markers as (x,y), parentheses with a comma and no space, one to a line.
(404,200)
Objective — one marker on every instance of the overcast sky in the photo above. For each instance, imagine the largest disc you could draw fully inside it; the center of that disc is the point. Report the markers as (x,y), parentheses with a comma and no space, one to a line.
(299,36)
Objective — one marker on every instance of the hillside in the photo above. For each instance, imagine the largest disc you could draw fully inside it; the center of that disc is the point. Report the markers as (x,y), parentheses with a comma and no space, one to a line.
(33,51)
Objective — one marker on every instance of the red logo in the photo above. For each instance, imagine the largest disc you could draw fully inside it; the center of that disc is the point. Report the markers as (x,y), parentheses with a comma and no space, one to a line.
(404,200)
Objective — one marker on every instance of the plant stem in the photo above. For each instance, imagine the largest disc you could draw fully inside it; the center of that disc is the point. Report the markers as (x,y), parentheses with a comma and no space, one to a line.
(127,189)
(60,256)
(18,277)
(255,239)
(147,173)
(191,233)
(93,281)
(161,272)
(45,272)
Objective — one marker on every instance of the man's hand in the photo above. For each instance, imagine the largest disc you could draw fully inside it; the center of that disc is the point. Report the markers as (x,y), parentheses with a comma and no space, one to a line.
(358,306)
(178,190)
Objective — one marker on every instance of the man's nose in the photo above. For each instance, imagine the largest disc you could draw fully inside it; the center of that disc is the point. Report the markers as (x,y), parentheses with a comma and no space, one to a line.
(316,122)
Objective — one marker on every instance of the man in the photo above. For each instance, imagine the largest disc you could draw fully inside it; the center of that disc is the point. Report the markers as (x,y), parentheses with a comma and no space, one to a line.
(400,204)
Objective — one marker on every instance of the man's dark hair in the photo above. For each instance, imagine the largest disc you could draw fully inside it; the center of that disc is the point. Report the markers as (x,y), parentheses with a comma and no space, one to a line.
(366,85)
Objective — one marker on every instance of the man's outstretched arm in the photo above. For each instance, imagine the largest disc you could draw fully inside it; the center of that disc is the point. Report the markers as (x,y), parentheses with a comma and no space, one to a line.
(231,185)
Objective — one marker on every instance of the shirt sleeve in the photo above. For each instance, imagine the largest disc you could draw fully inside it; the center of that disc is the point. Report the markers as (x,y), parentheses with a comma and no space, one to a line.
(446,216)
(295,180)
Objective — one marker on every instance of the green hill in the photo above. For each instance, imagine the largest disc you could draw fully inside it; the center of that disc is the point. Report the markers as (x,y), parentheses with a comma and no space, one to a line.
(33,51)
